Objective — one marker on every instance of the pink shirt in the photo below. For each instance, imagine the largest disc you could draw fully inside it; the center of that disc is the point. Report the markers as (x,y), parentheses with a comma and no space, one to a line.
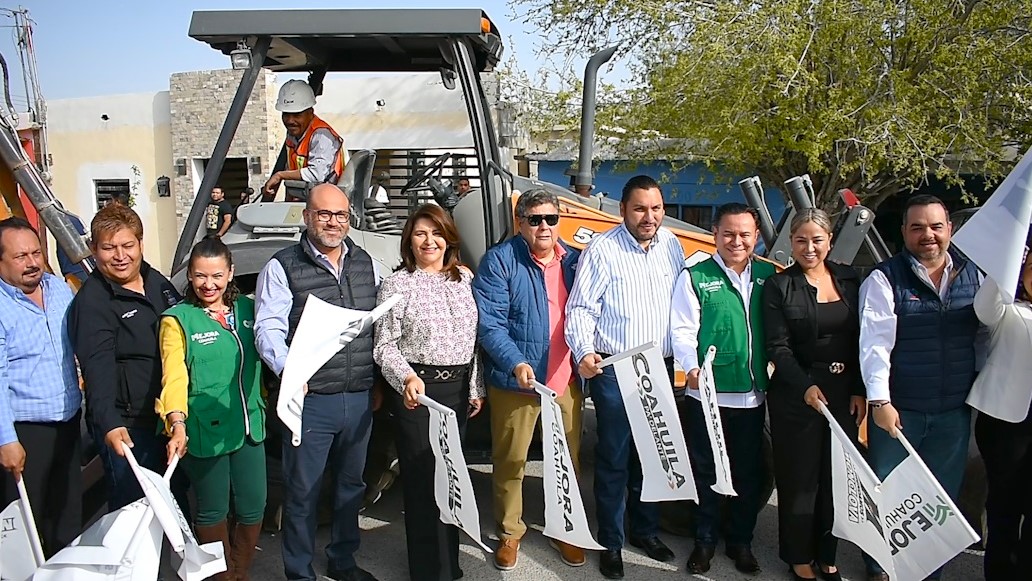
(560,368)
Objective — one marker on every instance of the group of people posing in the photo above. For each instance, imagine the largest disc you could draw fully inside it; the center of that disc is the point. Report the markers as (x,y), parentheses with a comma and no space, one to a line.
(169,375)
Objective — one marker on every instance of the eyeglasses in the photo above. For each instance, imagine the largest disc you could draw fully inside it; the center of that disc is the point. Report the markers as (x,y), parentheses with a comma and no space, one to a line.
(535,219)
(325,215)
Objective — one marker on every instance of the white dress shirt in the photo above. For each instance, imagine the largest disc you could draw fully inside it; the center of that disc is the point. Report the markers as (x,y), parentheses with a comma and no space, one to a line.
(621,295)
(685,312)
(878,325)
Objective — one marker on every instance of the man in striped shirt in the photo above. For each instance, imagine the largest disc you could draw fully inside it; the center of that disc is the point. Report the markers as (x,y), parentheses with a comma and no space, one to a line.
(620,300)
(39,388)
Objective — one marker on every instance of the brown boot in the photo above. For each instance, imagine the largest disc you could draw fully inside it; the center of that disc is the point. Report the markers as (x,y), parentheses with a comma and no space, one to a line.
(245,541)
(210,534)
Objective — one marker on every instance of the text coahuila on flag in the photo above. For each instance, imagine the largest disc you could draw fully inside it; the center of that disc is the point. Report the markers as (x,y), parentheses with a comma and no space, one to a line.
(323,330)
(565,519)
(714,426)
(453,490)
(907,523)
(655,426)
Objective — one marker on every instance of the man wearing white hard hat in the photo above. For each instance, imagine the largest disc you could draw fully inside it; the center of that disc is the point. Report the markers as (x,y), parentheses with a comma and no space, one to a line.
(315,152)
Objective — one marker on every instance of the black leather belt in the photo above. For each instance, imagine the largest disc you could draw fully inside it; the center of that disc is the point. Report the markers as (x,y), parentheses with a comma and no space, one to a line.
(440,373)
(833,367)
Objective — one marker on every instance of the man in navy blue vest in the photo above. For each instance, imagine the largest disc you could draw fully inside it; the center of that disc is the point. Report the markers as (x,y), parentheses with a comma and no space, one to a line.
(917,350)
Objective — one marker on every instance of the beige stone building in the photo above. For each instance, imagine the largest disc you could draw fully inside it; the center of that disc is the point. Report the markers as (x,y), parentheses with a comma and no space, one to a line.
(132,143)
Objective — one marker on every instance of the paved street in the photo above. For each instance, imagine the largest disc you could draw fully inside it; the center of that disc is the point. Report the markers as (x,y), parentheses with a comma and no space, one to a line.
(383,544)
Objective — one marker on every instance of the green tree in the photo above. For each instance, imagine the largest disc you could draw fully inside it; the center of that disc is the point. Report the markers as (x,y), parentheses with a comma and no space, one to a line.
(873,95)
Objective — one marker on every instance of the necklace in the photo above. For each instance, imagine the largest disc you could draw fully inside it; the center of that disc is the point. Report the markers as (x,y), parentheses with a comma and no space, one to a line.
(813,282)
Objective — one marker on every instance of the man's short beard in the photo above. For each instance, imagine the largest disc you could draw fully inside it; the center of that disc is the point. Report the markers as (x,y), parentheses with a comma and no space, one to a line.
(324,241)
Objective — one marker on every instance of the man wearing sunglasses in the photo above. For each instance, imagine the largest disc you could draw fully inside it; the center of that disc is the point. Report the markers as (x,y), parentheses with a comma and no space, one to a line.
(521,290)
(338,402)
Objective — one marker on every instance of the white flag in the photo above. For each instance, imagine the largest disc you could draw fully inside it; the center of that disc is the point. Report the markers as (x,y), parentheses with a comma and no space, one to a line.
(648,400)
(20,550)
(565,519)
(923,527)
(907,523)
(994,238)
(124,545)
(192,560)
(714,426)
(453,490)
(323,330)
(857,498)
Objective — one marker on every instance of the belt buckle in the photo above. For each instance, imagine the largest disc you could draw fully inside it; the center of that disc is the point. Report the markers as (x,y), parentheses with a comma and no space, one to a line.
(837,367)
(443,374)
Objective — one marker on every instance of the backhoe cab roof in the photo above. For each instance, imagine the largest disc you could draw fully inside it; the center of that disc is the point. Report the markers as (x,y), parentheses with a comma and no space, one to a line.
(352,40)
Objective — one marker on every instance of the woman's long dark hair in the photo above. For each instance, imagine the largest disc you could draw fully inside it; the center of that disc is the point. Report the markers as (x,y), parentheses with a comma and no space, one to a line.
(212,248)
(443,221)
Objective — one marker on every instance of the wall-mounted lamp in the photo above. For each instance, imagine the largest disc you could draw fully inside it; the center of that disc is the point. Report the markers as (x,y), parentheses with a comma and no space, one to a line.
(164,190)
(255,163)
(180,166)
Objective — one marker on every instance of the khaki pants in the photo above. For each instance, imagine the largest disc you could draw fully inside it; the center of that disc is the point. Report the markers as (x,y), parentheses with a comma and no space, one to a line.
(514,418)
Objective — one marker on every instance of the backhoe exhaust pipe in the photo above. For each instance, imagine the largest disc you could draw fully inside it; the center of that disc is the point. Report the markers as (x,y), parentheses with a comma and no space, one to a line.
(582,184)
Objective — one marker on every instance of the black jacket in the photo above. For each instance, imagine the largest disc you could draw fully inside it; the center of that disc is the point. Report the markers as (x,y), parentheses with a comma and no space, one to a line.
(790,323)
(115,336)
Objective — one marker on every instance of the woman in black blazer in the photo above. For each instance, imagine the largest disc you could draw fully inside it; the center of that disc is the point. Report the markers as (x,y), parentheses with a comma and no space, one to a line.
(813,329)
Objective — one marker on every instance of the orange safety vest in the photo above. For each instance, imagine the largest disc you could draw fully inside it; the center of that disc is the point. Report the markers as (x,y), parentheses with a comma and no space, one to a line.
(297,156)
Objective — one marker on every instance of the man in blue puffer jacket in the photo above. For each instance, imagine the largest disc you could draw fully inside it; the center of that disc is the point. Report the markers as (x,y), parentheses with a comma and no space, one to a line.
(521,289)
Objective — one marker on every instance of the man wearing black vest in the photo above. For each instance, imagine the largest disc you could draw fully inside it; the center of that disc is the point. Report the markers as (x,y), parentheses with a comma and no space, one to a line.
(917,350)
(719,302)
(338,404)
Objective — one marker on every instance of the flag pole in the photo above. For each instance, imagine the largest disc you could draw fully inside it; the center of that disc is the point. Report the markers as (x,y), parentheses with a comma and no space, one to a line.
(432,404)
(629,353)
(30,524)
(543,389)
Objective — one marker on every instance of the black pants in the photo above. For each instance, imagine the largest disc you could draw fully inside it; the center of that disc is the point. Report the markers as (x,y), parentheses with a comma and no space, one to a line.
(743,434)
(1007,451)
(433,547)
(53,455)
(802,470)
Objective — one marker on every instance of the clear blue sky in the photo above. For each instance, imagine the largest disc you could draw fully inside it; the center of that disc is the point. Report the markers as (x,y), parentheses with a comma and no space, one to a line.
(103,47)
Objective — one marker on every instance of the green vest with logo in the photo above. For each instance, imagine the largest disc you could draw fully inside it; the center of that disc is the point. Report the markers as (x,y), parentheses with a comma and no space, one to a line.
(741,359)
(225,405)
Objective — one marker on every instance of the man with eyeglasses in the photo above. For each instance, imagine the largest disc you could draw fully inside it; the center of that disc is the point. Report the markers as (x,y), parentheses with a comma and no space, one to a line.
(521,290)
(620,300)
(339,402)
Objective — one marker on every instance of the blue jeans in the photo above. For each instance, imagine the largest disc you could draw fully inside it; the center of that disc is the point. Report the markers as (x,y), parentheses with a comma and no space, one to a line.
(743,435)
(617,469)
(149,449)
(334,432)
(941,439)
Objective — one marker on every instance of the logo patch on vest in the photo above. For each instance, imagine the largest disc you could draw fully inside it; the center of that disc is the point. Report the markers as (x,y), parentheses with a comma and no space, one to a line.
(205,338)
(129,314)
(759,281)
(711,285)
(248,324)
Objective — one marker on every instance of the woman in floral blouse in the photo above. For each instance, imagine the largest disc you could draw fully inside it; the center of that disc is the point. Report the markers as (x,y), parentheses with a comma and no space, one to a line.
(426,345)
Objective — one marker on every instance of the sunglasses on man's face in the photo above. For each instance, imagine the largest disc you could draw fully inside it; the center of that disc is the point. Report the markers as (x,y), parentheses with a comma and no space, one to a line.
(535,219)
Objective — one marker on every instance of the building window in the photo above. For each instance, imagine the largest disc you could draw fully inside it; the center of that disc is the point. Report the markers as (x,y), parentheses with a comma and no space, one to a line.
(701,216)
(107,190)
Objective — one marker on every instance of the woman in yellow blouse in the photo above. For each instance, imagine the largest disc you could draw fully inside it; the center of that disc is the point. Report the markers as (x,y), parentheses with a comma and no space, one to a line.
(211,399)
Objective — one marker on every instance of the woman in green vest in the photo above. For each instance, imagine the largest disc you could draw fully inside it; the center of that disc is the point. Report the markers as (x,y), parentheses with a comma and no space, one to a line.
(812,325)
(212,405)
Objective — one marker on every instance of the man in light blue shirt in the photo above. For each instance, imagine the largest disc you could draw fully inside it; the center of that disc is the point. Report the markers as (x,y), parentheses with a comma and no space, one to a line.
(338,406)
(39,388)
(620,300)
